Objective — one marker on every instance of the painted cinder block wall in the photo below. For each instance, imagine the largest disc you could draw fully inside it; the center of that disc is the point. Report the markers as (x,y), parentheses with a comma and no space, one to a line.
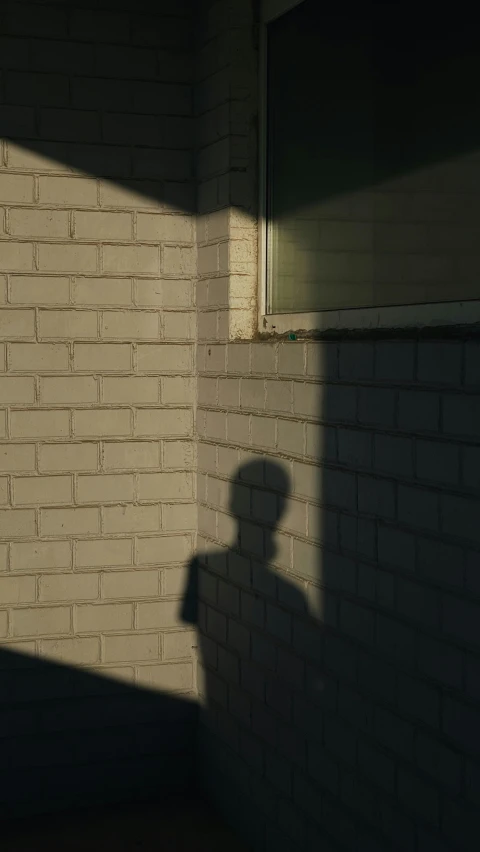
(97,268)
(339,674)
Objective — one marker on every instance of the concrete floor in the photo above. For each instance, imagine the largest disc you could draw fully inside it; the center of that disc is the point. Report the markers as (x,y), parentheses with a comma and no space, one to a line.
(176,826)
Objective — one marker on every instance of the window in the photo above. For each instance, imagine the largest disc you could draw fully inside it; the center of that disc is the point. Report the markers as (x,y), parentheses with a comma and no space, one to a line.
(371,166)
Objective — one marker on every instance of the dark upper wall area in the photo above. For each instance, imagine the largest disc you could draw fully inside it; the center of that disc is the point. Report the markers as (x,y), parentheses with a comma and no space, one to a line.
(104,89)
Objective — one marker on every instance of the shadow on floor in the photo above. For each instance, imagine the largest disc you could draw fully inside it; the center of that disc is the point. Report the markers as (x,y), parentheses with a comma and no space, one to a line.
(178,824)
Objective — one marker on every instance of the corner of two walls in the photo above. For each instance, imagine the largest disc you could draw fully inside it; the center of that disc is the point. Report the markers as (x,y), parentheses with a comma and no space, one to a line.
(337,483)
(257,493)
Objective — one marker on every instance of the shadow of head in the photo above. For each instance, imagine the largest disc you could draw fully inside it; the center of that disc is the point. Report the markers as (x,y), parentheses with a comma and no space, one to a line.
(258,495)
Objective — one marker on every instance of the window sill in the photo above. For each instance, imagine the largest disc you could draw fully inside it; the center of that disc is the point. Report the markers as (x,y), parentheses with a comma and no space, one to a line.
(414,317)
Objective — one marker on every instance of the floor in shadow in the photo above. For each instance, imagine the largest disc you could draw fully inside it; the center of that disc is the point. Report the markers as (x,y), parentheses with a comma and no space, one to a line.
(178,824)
(71,738)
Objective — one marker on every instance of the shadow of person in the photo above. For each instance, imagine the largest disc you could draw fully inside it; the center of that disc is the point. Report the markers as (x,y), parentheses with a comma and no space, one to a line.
(255,636)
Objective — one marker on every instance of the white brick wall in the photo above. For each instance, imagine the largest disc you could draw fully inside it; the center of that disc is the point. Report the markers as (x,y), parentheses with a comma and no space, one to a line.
(338,682)
(96,294)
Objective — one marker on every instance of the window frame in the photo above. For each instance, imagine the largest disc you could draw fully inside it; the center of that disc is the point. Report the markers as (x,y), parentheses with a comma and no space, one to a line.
(431,314)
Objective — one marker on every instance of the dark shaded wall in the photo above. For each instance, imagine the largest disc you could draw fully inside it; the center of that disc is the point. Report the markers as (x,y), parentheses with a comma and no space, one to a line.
(373,156)
(342,662)
(339,638)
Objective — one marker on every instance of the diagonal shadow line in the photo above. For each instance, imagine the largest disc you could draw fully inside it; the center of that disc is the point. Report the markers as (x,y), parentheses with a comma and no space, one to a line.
(114,103)
(72,737)
(142,135)
(399,102)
